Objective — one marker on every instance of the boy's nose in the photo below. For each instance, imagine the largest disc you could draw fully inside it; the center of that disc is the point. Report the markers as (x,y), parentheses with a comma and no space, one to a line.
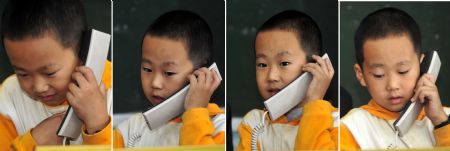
(157,82)
(392,83)
(40,85)
(274,75)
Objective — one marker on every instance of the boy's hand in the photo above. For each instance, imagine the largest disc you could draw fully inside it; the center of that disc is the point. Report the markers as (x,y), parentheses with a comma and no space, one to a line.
(203,84)
(322,73)
(88,100)
(45,132)
(427,93)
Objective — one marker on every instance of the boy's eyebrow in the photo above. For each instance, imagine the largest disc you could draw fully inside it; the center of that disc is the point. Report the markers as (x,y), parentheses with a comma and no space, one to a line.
(376,65)
(17,68)
(280,54)
(283,53)
(164,64)
(169,63)
(40,68)
(46,66)
(259,55)
(404,62)
(144,60)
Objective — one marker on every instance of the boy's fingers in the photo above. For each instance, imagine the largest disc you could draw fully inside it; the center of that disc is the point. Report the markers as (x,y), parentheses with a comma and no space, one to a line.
(317,67)
(428,82)
(79,78)
(102,89)
(430,78)
(201,78)
(419,83)
(192,80)
(318,59)
(424,92)
(208,76)
(70,98)
(313,69)
(88,73)
(418,97)
(414,98)
(423,95)
(321,63)
(425,81)
(73,88)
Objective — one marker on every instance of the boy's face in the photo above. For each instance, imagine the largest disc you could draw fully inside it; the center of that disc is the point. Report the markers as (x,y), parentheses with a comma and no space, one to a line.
(279,59)
(165,66)
(390,70)
(43,67)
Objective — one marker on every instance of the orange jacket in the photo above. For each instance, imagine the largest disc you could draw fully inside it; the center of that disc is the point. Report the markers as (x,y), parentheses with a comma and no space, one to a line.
(348,142)
(315,129)
(196,129)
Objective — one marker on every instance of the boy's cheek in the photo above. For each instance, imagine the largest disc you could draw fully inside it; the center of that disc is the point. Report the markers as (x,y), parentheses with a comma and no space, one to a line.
(262,92)
(28,90)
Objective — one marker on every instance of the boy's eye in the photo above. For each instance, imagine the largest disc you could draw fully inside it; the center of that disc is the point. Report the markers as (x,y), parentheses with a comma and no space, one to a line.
(378,76)
(51,74)
(285,63)
(403,72)
(169,73)
(261,65)
(146,69)
(22,74)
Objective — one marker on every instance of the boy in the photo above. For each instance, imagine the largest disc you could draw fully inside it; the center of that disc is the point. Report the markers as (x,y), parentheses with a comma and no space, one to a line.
(41,39)
(388,53)
(175,49)
(285,46)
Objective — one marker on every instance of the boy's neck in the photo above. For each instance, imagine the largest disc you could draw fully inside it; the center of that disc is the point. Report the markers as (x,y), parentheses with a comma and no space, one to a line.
(63,102)
(377,110)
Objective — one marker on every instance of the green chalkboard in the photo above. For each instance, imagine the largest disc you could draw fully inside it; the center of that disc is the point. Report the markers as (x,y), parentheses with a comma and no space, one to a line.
(131,18)
(243,19)
(98,13)
(433,19)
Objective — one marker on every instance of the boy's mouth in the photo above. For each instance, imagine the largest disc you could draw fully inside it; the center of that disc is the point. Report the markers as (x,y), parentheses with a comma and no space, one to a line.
(47,97)
(394,100)
(273,91)
(156,99)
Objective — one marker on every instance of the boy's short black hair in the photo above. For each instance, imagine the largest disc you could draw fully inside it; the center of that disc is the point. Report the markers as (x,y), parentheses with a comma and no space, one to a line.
(65,19)
(303,26)
(383,23)
(188,27)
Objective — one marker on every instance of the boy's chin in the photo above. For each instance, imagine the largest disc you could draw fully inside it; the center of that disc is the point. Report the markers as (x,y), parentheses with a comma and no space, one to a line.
(395,108)
(53,102)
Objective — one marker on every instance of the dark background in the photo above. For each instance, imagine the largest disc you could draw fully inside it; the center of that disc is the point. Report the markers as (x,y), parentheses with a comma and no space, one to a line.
(433,19)
(131,19)
(98,13)
(243,20)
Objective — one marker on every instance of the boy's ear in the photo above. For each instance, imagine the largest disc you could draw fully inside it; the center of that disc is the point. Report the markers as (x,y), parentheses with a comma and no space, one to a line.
(359,74)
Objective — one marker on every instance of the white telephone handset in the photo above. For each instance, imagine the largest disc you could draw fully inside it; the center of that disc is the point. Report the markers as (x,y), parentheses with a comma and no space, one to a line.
(170,108)
(431,64)
(93,53)
(290,96)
